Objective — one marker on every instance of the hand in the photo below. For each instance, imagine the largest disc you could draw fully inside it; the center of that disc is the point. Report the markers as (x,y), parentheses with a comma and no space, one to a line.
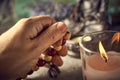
(22,45)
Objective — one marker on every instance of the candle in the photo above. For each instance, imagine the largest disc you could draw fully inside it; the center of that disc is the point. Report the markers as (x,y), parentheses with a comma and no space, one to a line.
(104,65)
(97,69)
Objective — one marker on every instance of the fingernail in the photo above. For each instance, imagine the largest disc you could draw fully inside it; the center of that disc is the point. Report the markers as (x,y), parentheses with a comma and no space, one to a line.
(61,26)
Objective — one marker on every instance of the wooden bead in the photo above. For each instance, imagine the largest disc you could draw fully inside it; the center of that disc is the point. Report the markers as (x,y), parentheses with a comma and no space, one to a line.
(41,63)
(57,60)
(24,76)
(30,72)
(20,78)
(58,43)
(47,65)
(48,58)
(63,51)
(35,68)
(51,52)
(63,42)
(58,48)
(67,36)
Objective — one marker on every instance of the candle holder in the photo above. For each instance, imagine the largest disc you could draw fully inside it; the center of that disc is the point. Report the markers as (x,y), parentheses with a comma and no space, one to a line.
(100,55)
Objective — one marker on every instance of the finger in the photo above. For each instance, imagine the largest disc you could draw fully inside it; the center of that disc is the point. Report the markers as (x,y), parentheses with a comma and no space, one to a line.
(43,20)
(63,51)
(34,25)
(50,36)
(57,60)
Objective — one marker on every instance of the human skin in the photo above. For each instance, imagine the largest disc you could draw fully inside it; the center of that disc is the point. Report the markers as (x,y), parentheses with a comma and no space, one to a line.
(22,45)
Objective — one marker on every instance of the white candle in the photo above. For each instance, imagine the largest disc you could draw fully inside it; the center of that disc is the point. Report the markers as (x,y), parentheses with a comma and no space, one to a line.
(97,69)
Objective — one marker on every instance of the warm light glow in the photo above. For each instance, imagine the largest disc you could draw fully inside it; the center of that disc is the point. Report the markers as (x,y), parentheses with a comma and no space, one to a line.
(116,37)
(103,52)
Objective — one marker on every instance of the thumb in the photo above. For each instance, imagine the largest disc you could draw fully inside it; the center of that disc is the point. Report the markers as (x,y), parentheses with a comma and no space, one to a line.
(50,36)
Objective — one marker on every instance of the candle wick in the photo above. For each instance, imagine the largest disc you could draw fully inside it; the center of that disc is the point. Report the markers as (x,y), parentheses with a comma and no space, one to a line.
(105,59)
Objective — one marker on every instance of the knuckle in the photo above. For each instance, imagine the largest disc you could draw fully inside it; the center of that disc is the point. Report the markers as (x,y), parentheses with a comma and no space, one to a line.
(50,18)
(23,19)
(27,20)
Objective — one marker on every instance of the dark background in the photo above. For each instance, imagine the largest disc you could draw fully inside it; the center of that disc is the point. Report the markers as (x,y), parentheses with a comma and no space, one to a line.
(13,10)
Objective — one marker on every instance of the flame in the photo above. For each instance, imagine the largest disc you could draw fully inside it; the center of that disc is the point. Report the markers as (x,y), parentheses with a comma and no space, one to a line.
(116,37)
(103,52)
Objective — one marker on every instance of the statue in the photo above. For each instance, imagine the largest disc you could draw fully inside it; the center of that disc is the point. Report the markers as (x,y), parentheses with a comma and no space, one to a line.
(90,16)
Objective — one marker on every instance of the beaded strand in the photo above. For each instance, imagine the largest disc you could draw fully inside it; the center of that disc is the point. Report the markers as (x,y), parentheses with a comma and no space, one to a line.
(52,51)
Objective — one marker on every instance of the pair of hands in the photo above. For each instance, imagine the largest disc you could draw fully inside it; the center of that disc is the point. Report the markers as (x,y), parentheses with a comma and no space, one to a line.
(22,45)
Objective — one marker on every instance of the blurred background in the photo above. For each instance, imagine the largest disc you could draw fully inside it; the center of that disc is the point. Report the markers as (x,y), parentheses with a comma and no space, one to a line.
(81,16)
(62,10)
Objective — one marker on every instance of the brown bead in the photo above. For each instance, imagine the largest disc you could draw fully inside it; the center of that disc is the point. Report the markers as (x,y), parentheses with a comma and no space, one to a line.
(48,58)
(58,48)
(57,60)
(41,63)
(52,52)
(63,41)
(67,36)
(63,51)
(20,78)
(47,65)
(35,68)
(30,72)
(24,76)
(58,43)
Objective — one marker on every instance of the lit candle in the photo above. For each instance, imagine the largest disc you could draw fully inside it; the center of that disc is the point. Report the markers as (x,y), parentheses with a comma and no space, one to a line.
(103,66)
(97,69)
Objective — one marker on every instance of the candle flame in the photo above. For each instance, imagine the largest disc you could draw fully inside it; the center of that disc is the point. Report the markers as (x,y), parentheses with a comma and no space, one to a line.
(103,52)
(116,37)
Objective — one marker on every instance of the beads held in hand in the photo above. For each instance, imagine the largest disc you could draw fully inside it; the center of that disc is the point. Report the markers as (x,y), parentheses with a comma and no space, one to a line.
(51,57)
